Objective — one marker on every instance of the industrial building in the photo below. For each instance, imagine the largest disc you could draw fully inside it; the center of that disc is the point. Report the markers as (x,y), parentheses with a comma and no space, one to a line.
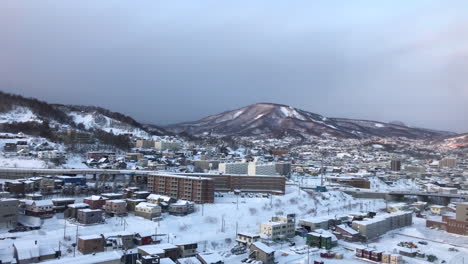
(370,228)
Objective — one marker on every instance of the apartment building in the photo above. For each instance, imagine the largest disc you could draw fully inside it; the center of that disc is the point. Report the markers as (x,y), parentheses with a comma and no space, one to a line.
(143,143)
(166,145)
(395,165)
(255,168)
(8,212)
(279,227)
(196,189)
(51,155)
(273,184)
(448,163)
(233,168)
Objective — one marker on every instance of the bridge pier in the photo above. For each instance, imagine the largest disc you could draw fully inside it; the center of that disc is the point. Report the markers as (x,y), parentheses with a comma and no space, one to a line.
(422,198)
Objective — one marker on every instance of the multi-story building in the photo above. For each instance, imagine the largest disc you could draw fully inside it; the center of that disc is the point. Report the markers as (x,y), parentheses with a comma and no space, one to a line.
(8,212)
(395,165)
(255,168)
(205,165)
(455,225)
(166,145)
(233,168)
(143,143)
(51,155)
(279,227)
(41,208)
(283,168)
(91,244)
(448,163)
(196,189)
(273,184)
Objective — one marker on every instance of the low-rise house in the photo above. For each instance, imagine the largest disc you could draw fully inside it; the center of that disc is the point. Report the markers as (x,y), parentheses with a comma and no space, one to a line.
(30,251)
(140,194)
(321,239)
(311,224)
(158,198)
(119,240)
(210,258)
(188,260)
(61,204)
(112,196)
(165,250)
(188,250)
(245,239)
(148,210)
(143,238)
(261,252)
(8,212)
(33,196)
(132,203)
(95,201)
(41,208)
(72,210)
(91,244)
(116,207)
(346,233)
(438,209)
(181,207)
(89,216)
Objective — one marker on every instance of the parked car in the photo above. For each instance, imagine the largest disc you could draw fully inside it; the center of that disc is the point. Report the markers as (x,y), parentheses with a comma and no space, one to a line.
(422,242)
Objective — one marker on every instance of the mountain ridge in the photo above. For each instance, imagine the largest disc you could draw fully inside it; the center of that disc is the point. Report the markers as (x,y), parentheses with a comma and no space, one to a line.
(276,119)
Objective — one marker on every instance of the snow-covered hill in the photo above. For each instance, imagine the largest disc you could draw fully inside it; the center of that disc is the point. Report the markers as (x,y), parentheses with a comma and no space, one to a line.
(277,120)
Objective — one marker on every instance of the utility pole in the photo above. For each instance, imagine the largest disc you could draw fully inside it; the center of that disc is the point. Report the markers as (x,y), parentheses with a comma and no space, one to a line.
(64,227)
(237,202)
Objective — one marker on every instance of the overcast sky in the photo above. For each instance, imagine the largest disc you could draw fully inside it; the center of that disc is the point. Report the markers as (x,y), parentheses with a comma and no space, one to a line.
(170,61)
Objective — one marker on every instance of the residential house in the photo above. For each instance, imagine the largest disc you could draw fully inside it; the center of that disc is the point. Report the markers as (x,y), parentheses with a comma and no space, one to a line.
(261,252)
(95,201)
(188,250)
(245,239)
(90,216)
(30,251)
(72,210)
(148,210)
(8,212)
(91,244)
(41,208)
(116,207)
(210,258)
(181,207)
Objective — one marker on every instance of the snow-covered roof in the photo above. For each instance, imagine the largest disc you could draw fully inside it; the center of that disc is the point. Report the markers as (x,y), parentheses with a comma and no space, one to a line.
(263,247)
(211,258)
(348,229)
(189,260)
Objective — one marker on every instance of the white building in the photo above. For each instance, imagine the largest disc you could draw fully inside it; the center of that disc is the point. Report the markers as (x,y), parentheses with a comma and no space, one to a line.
(51,154)
(166,145)
(255,168)
(279,227)
(233,168)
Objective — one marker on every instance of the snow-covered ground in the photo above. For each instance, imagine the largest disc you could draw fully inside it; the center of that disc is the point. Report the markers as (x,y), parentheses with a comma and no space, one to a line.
(19,115)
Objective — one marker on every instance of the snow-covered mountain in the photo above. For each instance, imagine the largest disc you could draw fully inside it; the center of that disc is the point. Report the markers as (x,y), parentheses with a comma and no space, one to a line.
(29,115)
(452,142)
(278,120)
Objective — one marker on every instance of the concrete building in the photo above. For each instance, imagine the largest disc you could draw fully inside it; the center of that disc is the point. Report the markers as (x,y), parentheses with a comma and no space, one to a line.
(8,212)
(255,168)
(196,189)
(283,169)
(51,155)
(205,165)
(89,216)
(233,168)
(166,145)
(395,165)
(188,250)
(148,210)
(245,183)
(143,143)
(95,201)
(311,224)
(279,227)
(262,252)
(116,207)
(448,163)
(371,228)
